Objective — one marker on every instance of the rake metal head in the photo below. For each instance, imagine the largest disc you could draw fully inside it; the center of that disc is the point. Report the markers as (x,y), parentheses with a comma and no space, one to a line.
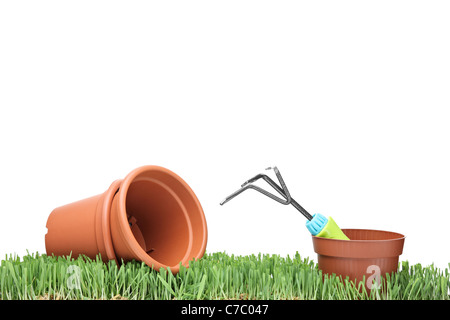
(282,190)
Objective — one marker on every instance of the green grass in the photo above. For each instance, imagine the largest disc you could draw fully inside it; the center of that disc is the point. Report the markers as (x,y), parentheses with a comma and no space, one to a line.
(215,276)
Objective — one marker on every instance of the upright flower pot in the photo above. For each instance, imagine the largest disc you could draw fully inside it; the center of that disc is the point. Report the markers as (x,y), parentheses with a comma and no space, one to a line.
(369,254)
(152,215)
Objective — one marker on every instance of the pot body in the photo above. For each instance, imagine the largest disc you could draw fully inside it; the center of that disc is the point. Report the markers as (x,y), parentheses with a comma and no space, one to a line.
(71,229)
(82,227)
(368,254)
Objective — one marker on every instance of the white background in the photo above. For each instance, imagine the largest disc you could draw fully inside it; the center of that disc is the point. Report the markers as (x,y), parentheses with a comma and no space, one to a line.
(350,99)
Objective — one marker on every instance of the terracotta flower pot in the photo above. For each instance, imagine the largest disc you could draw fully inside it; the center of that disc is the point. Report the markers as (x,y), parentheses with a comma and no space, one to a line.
(152,216)
(369,253)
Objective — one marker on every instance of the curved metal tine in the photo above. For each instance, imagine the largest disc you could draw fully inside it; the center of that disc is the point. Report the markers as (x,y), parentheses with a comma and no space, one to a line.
(246,185)
(283,190)
(280,179)
(251,186)
(269,181)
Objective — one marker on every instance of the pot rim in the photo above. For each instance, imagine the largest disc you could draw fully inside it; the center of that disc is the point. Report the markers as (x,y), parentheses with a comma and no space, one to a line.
(401,236)
(106,219)
(124,225)
(361,249)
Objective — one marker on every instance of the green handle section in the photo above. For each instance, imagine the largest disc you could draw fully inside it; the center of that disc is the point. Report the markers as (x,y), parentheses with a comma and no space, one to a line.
(332,231)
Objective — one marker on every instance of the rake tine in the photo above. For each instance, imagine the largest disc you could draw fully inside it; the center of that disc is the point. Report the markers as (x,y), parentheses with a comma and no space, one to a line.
(283,190)
(251,186)
(247,185)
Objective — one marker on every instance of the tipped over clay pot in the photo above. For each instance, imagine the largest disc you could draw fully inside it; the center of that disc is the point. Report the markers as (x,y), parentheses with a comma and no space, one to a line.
(368,253)
(152,215)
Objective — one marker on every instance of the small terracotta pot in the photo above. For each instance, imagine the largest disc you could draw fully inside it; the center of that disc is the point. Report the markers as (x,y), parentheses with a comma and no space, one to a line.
(368,253)
(152,216)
